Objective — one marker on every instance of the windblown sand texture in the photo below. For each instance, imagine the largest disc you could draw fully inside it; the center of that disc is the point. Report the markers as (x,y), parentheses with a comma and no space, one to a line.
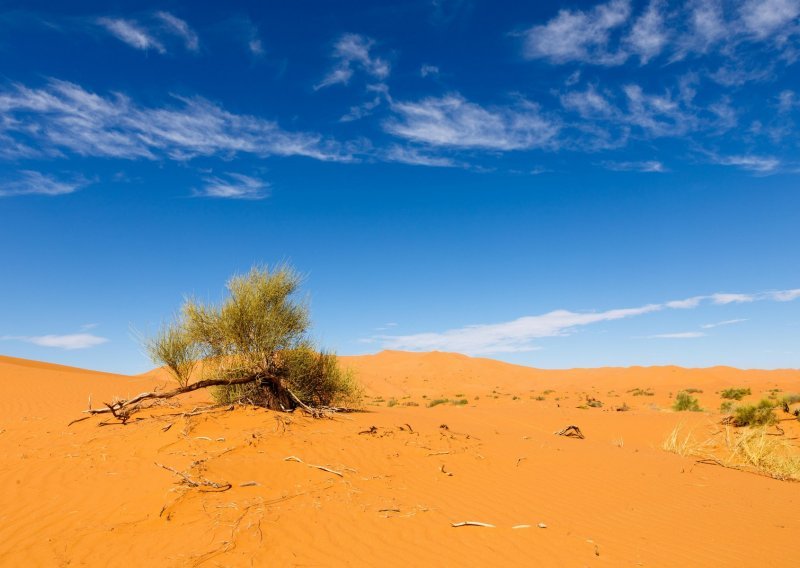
(393,479)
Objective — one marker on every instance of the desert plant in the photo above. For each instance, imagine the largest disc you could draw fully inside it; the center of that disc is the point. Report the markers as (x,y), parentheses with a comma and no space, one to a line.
(641,392)
(762,414)
(693,391)
(789,399)
(735,393)
(726,406)
(254,347)
(684,401)
(437,402)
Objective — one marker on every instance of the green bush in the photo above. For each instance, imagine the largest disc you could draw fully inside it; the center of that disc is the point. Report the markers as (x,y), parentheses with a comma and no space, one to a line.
(790,399)
(735,393)
(726,406)
(762,414)
(684,401)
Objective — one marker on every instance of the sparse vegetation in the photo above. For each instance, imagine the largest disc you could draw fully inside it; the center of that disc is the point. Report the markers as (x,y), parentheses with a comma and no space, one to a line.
(693,391)
(789,399)
(391,402)
(438,401)
(762,414)
(686,402)
(735,393)
(642,392)
(726,407)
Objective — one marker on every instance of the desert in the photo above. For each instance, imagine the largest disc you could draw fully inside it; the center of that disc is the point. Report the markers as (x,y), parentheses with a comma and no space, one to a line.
(393,479)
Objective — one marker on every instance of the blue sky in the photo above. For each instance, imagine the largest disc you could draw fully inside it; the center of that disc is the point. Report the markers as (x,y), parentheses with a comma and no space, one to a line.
(581,184)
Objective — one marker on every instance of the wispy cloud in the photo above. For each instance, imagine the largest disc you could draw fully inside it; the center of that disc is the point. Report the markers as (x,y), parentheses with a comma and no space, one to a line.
(520,334)
(416,157)
(679,335)
(62,116)
(575,35)
(723,323)
(67,342)
(132,33)
(180,28)
(352,52)
(36,183)
(649,166)
(648,37)
(234,186)
(453,121)
(753,163)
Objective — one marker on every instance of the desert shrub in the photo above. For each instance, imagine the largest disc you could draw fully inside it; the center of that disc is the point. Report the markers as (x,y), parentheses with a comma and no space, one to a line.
(623,408)
(761,414)
(593,402)
(437,402)
(726,406)
(459,402)
(735,393)
(642,392)
(391,402)
(684,401)
(410,403)
(792,398)
(254,347)
(693,391)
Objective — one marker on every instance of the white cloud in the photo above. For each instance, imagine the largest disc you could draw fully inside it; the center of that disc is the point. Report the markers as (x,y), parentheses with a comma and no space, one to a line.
(131,33)
(648,37)
(764,18)
(353,52)
(453,121)
(416,157)
(68,342)
(63,116)
(657,115)
(722,323)
(181,29)
(519,334)
(426,70)
(512,336)
(758,164)
(578,35)
(36,183)
(680,335)
(649,166)
(784,295)
(588,103)
(235,186)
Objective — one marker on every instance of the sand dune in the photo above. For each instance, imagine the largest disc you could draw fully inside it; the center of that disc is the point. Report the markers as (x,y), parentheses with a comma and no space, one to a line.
(89,495)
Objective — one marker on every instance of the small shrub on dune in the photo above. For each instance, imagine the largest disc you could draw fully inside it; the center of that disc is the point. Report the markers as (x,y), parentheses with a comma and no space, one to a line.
(437,402)
(735,393)
(790,399)
(726,407)
(762,414)
(686,402)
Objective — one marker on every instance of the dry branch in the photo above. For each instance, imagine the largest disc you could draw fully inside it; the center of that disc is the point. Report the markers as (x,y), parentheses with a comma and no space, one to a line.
(323,468)
(570,431)
(199,483)
(472,524)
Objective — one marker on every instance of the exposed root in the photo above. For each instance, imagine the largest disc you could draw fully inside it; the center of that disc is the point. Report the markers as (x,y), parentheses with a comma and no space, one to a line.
(200,482)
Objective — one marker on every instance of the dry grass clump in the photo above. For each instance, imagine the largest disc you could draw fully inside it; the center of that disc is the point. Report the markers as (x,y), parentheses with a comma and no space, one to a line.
(761,414)
(746,449)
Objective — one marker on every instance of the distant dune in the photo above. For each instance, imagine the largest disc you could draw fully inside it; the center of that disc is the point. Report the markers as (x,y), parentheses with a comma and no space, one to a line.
(445,439)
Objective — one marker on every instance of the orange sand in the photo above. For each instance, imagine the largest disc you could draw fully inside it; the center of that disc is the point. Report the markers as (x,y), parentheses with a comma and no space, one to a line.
(85,495)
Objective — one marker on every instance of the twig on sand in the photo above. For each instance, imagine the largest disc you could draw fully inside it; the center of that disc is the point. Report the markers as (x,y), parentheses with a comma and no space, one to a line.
(199,483)
(570,431)
(322,467)
(472,524)
(439,453)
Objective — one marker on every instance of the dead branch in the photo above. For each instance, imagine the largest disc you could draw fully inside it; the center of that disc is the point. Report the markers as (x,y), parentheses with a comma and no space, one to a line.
(570,431)
(323,468)
(472,524)
(202,482)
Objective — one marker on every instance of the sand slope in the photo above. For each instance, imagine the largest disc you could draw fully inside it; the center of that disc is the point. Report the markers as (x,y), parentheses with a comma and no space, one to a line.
(89,495)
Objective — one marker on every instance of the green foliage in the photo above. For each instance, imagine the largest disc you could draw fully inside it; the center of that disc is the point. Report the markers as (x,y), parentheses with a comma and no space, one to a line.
(790,399)
(684,401)
(642,392)
(259,331)
(173,348)
(693,391)
(762,414)
(735,393)
(726,406)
